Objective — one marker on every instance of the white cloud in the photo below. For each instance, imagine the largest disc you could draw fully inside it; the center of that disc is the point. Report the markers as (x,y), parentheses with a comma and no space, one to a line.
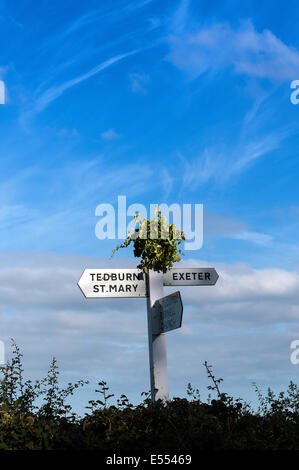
(243,49)
(91,18)
(110,134)
(222,226)
(242,284)
(221,165)
(139,82)
(197,49)
(49,282)
(14,214)
(166,182)
(54,92)
(243,325)
(72,191)
(219,225)
(255,237)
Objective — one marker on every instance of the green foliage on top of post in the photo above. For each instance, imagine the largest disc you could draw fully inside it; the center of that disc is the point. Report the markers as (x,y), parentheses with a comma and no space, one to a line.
(155,241)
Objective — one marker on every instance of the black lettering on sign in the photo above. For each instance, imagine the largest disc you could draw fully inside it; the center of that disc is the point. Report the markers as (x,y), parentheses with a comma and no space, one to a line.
(121,288)
(113,277)
(95,288)
(200,276)
(92,276)
(181,276)
(174,276)
(113,287)
(188,276)
(135,287)
(128,288)
(129,277)
(207,276)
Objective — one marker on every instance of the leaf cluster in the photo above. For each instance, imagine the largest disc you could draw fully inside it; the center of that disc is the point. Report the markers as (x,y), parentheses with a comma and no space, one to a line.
(155,241)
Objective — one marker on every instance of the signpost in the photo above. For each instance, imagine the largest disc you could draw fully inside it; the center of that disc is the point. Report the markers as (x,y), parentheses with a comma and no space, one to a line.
(190,277)
(163,313)
(168,313)
(96,283)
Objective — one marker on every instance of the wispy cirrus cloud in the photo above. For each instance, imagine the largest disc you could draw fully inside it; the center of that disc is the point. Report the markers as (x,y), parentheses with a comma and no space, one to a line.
(254,237)
(72,192)
(219,166)
(222,164)
(78,43)
(197,49)
(54,92)
(139,82)
(218,47)
(226,227)
(106,13)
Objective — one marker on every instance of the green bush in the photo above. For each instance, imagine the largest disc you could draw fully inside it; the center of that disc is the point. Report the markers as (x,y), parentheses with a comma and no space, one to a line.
(182,425)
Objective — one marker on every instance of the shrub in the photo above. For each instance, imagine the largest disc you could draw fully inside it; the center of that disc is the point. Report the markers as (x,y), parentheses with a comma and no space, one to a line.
(182,425)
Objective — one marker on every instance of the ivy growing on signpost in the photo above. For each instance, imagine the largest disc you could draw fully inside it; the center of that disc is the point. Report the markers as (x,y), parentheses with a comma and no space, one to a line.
(155,241)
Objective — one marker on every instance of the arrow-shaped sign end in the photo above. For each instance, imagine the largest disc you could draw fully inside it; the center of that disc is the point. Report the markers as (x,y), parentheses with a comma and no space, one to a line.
(79,282)
(216,276)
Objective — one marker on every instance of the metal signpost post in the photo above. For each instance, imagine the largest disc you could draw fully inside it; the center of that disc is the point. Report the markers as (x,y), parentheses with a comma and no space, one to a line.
(156,339)
(163,313)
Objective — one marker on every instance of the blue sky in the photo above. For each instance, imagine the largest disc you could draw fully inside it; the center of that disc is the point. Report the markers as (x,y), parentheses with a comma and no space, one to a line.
(177,102)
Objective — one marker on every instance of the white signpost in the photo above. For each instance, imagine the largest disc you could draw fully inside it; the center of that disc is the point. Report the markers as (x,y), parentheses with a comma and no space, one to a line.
(163,313)
(168,313)
(156,340)
(97,283)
